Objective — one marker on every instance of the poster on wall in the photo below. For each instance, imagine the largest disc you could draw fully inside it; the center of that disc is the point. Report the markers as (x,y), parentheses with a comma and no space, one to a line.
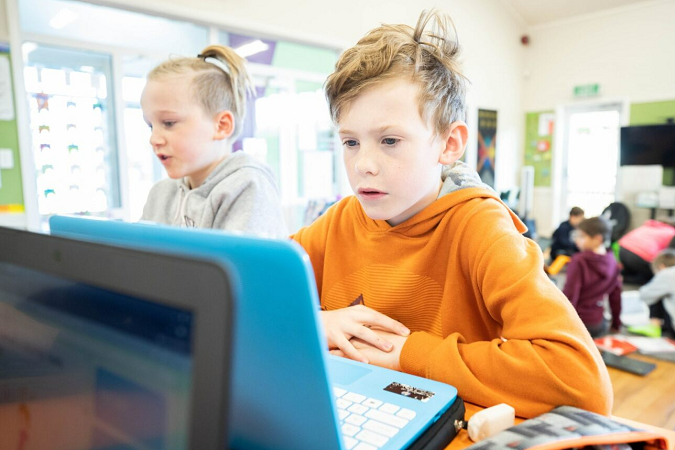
(539,145)
(487,145)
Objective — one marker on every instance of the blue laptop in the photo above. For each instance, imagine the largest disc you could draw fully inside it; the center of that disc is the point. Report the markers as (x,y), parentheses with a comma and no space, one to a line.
(287,392)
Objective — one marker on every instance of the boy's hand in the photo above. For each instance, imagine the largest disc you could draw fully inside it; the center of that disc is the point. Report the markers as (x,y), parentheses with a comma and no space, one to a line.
(344,324)
(390,360)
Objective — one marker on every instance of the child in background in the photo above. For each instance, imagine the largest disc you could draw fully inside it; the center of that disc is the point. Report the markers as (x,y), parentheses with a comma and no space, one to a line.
(425,270)
(639,247)
(659,293)
(195,108)
(562,237)
(593,274)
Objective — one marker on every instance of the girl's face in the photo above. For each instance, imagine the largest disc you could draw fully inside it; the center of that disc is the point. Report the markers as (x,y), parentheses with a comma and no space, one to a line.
(185,138)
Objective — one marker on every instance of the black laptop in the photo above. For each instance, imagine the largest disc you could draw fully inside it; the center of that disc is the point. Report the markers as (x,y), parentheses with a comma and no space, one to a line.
(108,348)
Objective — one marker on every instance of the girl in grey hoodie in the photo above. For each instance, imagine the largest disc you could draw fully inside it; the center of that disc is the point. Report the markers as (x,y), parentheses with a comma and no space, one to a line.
(195,108)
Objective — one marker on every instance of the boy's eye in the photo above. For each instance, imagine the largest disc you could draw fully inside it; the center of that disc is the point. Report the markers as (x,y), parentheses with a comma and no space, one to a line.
(390,141)
(169,123)
(350,143)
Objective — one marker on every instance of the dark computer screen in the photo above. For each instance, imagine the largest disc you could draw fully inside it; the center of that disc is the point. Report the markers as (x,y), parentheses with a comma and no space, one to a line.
(87,368)
(648,145)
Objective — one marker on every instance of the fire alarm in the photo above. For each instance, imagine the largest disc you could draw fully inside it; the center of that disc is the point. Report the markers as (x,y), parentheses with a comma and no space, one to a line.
(524,39)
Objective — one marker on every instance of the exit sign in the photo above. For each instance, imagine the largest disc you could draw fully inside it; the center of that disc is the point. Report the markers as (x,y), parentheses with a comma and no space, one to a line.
(587,90)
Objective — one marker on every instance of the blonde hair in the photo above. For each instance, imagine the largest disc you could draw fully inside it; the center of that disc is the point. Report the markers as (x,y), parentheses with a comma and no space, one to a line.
(215,88)
(429,58)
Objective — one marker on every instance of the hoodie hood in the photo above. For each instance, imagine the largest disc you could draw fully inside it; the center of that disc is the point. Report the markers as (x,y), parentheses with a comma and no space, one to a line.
(458,176)
(461,184)
(601,266)
(600,271)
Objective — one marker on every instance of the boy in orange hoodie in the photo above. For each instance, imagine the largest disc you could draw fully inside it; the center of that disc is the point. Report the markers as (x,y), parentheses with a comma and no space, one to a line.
(425,270)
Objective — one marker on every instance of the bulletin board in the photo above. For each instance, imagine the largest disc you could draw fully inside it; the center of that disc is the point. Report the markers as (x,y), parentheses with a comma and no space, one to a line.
(11,187)
(539,145)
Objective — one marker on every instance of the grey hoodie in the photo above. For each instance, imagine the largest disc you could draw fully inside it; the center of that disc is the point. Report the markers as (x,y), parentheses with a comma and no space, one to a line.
(239,195)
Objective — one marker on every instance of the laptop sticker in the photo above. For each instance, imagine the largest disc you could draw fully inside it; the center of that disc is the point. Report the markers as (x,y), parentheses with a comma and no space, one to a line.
(410,391)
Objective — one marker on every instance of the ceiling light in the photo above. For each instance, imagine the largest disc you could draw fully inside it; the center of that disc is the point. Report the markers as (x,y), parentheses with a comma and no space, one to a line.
(251,48)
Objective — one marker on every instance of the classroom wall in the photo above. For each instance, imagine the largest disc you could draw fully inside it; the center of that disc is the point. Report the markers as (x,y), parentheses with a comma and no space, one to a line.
(626,51)
(4,32)
(490,34)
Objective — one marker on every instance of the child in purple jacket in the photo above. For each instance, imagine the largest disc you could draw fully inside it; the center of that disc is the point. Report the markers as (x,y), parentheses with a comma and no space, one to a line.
(593,274)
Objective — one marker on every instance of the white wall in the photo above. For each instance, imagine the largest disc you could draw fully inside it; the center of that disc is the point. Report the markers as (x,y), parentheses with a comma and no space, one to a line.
(493,56)
(629,52)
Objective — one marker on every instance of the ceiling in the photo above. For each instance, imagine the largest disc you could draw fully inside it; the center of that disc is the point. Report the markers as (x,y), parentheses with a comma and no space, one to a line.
(537,12)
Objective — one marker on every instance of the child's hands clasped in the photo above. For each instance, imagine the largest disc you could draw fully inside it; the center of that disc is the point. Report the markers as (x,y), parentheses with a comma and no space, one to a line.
(363,334)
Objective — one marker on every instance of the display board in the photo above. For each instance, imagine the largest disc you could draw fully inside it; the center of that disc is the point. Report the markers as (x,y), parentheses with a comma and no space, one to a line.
(11,187)
(539,145)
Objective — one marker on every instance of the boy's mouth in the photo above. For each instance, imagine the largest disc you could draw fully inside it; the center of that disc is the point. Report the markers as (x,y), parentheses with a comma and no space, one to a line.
(163,158)
(371,194)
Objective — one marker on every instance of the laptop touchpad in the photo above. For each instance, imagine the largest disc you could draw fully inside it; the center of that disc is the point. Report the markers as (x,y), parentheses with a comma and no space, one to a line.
(342,372)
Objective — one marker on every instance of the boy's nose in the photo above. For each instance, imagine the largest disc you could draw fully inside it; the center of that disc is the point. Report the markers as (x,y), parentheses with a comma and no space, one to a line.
(365,162)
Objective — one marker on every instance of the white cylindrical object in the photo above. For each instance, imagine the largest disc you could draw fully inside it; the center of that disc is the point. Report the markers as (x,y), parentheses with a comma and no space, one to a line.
(490,421)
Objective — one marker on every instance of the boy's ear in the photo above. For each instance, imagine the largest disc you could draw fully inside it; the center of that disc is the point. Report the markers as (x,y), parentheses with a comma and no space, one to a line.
(224,122)
(455,142)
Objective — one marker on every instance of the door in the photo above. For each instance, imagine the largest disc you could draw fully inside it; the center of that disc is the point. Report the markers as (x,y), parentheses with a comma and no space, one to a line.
(590,157)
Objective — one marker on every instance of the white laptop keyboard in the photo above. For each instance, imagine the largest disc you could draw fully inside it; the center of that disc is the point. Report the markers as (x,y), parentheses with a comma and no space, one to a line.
(368,423)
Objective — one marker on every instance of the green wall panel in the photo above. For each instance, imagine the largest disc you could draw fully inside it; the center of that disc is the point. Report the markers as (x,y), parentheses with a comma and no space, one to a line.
(11,191)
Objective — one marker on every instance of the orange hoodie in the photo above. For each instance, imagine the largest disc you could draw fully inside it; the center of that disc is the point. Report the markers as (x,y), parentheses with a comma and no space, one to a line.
(484,316)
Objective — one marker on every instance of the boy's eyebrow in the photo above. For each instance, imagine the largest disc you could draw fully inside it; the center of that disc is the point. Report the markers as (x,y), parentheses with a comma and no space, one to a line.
(377,131)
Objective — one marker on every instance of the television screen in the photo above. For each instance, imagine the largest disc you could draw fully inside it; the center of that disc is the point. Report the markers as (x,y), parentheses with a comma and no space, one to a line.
(648,145)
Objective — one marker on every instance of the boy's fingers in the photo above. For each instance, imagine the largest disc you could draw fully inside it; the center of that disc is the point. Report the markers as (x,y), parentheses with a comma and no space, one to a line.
(386,323)
(339,353)
(371,338)
(350,351)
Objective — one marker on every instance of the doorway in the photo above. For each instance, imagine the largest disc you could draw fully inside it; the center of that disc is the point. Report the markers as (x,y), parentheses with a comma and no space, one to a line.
(590,157)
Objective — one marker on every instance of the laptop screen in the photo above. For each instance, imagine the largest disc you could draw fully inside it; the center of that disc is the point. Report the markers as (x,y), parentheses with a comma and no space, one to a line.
(87,368)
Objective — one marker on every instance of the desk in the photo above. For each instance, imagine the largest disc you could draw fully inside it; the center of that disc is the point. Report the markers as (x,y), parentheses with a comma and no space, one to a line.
(462,440)
(649,399)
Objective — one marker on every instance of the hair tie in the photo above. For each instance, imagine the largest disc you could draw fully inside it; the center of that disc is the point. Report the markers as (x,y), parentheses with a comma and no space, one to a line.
(222,65)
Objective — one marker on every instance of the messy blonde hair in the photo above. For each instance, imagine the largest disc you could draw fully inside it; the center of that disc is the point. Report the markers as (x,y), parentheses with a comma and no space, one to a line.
(214,88)
(428,58)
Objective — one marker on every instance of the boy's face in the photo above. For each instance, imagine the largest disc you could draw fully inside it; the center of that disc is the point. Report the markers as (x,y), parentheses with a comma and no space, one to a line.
(585,242)
(182,133)
(392,156)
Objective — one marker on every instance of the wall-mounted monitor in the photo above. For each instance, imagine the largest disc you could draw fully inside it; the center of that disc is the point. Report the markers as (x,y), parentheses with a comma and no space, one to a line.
(648,145)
